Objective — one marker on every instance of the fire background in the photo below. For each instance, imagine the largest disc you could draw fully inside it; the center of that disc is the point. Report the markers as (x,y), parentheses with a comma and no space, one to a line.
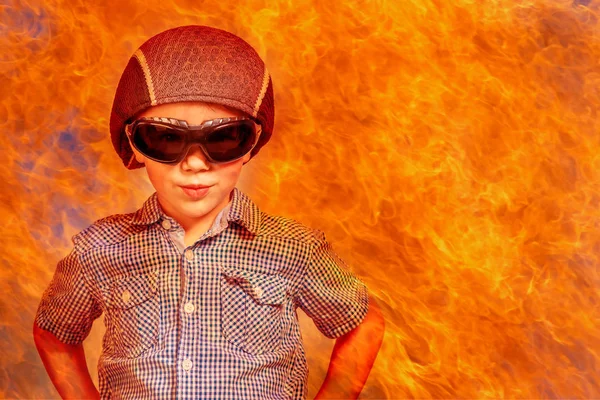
(448,149)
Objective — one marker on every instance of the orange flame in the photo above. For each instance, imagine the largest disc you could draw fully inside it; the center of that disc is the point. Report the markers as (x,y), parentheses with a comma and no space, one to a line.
(448,151)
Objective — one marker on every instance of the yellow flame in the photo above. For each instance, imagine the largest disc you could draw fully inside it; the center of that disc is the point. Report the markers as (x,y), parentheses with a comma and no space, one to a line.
(447,149)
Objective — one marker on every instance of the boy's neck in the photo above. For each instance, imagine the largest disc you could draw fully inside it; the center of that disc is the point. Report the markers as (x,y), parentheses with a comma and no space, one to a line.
(195,227)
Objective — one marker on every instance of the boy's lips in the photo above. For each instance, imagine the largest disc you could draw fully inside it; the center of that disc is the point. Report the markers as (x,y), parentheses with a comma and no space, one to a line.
(195,192)
(195,186)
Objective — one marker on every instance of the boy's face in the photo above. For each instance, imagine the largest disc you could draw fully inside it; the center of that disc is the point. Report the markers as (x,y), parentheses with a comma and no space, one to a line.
(168,179)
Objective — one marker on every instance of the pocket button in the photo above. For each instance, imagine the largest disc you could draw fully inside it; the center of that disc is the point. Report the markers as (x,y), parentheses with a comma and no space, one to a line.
(259,292)
(126,295)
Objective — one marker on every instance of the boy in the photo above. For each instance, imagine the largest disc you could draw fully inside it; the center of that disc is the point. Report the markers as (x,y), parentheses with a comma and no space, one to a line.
(199,288)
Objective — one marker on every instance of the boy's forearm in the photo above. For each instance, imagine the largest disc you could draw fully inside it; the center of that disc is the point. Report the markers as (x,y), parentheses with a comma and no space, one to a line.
(353,356)
(66,366)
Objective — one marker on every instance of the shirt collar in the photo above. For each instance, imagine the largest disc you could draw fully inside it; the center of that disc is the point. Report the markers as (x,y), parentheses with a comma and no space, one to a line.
(242,210)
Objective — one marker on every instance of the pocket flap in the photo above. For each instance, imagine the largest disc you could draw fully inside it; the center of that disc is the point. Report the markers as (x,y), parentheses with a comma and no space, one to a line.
(130,291)
(264,289)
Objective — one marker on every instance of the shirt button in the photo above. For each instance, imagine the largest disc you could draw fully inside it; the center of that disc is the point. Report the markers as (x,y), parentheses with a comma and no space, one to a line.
(187,364)
(189,307)
(126,295)
(189,254)
(258,291)
(166,224)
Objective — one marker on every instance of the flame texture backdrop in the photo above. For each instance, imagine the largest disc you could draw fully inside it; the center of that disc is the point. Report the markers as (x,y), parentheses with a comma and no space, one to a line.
(449,151)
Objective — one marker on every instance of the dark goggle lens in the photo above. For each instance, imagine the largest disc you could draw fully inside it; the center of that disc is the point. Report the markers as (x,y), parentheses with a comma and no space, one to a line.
(160,142)
(225,143)
(231,141)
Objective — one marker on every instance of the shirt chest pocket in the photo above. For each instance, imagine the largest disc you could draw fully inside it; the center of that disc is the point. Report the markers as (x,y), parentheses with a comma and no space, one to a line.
(252,307)
(133,315)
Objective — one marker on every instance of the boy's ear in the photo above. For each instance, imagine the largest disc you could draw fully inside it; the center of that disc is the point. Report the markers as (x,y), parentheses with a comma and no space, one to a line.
(246,158)
(138,156)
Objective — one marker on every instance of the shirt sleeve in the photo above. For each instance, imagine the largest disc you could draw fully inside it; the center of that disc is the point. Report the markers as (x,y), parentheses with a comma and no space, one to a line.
(331,295)
(67,308)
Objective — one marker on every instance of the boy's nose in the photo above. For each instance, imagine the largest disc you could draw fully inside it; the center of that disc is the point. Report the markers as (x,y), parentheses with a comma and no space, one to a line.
(195,158)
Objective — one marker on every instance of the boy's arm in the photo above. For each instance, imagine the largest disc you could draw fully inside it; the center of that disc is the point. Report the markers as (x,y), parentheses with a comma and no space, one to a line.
(63,320)
(66,366)
(353,356)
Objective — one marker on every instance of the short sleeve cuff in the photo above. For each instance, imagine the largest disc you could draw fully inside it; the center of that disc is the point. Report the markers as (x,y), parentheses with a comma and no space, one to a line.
(62,334)
(356,314)
(67,309)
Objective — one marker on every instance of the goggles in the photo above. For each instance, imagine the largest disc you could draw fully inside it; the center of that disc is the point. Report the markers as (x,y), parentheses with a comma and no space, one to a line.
(168,140)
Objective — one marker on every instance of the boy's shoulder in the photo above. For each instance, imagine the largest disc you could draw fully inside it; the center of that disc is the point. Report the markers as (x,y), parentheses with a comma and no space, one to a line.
(267,225)
(106,231)
(288,228)
(116,228)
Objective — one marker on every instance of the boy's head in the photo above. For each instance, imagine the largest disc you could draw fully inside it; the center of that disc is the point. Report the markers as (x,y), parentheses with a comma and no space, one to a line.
(180,79)
(192,63)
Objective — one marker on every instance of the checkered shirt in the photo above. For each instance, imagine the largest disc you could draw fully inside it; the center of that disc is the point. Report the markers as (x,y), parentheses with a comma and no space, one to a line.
(213,320)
